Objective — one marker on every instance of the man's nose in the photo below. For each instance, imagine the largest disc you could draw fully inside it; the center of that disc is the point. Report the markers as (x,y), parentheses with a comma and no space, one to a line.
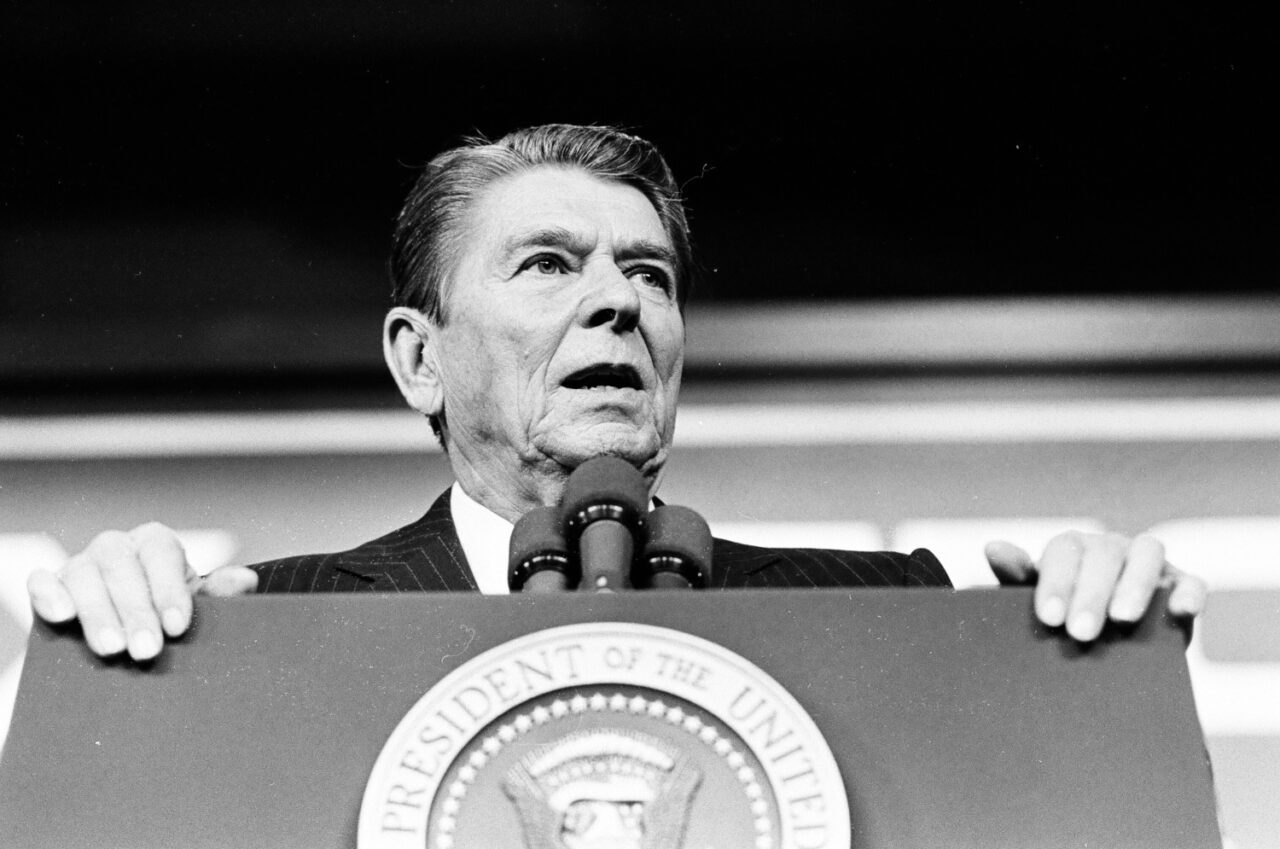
(612,300)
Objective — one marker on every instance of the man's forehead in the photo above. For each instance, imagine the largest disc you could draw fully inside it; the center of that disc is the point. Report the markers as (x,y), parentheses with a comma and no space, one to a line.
(548,202)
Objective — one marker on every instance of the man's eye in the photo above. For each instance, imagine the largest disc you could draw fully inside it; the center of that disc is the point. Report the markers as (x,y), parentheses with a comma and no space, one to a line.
(654,277)
(546,264)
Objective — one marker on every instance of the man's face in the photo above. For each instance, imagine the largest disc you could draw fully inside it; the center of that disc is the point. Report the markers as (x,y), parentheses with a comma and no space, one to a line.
(563,338)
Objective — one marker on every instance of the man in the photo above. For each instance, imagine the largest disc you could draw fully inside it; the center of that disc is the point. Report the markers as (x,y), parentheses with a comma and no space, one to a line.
(539,284)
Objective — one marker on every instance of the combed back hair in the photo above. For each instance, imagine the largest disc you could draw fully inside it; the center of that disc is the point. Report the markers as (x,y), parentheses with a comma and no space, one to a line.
(430,228)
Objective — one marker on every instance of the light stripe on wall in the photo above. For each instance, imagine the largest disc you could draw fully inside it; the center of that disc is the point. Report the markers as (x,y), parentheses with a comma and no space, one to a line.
(700,426)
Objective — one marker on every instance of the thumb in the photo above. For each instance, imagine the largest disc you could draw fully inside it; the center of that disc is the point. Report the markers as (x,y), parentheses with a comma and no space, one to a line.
(1011,564)
(49,597)
(229,580)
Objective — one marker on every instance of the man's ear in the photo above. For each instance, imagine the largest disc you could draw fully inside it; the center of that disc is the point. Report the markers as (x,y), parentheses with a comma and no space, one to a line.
(408,344)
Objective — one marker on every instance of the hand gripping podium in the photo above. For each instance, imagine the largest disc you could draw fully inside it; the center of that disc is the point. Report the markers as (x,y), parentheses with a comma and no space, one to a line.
(824,718)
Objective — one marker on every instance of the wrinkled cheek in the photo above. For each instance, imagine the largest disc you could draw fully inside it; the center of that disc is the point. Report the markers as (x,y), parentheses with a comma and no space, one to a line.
(531,359)
(665,415)
(469,415)
(530,408)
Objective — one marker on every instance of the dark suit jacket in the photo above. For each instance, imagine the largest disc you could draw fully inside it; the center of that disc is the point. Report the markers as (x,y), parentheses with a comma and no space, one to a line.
(427,556)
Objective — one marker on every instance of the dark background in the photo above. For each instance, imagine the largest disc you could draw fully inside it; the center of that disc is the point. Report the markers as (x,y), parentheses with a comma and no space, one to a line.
(197,187)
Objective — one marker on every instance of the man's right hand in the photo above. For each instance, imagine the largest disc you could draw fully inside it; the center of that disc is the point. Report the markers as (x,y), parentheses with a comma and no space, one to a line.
(130,589)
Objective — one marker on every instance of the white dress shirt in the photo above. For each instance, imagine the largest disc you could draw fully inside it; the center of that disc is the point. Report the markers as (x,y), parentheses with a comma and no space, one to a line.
(485,538)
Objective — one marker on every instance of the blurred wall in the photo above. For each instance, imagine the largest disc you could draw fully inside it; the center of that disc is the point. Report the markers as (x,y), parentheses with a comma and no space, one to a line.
(947,463)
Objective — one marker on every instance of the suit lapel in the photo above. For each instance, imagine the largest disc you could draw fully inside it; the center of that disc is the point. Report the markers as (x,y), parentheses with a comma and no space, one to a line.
(425,555)
(442,552)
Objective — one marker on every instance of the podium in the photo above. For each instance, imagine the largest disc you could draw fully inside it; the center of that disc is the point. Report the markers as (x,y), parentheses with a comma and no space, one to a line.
(868,718)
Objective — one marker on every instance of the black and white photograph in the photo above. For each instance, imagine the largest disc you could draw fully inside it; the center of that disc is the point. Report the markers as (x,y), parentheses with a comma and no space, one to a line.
(600,424)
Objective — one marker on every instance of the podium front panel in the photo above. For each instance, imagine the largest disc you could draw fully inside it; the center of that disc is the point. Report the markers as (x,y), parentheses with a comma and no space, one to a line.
(954,719)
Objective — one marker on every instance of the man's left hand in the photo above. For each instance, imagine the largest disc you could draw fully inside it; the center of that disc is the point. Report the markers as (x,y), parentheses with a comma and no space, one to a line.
(1084,579)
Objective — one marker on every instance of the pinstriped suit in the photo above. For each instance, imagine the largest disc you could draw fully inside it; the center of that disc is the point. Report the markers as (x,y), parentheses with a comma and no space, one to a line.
(427,556)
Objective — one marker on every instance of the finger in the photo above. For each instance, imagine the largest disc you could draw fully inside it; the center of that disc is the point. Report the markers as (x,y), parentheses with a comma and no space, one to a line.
(1010,563)
(1058,568)
(1188,596)
(229,581)
(1100,566)
(102,629)
(1143,566)
(164,564)
(49,598)
(126,582)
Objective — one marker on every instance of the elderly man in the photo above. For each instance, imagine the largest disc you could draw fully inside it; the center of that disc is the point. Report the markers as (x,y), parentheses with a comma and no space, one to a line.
(539,284)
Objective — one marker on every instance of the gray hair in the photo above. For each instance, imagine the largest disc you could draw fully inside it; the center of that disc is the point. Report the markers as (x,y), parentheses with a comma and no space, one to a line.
(429,232)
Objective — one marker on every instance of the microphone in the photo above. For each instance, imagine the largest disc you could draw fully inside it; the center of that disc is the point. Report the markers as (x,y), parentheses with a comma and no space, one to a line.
(603,509)
(539,557)
(678,552)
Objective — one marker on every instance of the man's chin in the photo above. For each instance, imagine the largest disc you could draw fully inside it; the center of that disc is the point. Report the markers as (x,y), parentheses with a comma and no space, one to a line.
(640,447)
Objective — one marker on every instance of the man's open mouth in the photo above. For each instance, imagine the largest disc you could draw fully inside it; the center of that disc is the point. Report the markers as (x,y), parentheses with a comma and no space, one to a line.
(604,376)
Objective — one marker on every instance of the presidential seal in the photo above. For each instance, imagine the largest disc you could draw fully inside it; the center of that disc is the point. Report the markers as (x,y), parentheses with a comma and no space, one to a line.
(608,734)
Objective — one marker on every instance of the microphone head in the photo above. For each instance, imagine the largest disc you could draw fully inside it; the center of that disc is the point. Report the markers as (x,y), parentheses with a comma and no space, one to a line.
(604,488)
(680,543)
(537,545)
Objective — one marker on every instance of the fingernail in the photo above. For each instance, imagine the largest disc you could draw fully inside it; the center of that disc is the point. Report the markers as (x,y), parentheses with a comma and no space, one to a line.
(61,611)
(110,641)
(1084,626)
(174,622)
(1053,612)
(1124,610)
(143,645)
